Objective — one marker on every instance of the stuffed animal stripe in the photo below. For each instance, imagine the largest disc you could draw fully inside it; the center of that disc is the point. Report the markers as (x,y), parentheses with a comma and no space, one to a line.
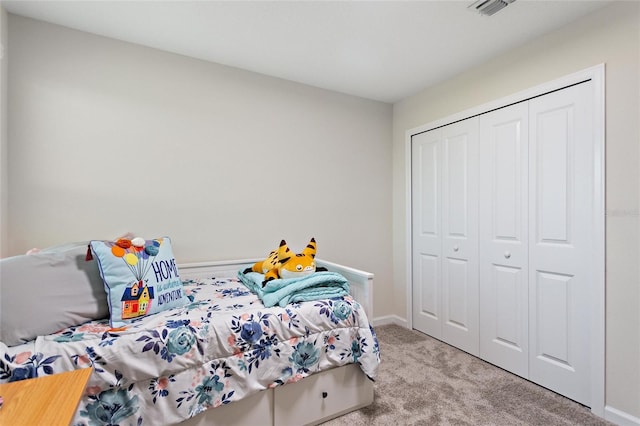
(283,263)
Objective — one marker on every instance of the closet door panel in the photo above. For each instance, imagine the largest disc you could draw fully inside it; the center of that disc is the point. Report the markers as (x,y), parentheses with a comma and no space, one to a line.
(503,229)
(460,235)
(455,293)
(561,275)
(427,232)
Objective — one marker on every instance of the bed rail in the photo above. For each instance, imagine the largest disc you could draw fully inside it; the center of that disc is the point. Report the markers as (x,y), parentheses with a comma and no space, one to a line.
(361,282)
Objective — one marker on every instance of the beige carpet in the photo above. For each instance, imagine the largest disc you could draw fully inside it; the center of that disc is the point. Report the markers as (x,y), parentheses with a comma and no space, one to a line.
(422,381)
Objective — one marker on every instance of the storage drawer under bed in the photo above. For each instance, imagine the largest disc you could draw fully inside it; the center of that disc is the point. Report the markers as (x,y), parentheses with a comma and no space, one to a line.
(322,396)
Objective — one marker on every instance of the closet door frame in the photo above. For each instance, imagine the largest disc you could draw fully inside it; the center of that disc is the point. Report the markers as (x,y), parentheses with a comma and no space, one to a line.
(597,75)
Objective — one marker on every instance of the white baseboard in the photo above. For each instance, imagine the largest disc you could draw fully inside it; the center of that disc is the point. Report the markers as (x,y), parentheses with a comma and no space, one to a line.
(620,417)
(389,319)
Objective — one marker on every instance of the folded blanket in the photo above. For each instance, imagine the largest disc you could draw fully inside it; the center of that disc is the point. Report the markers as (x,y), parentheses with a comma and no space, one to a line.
(319,285)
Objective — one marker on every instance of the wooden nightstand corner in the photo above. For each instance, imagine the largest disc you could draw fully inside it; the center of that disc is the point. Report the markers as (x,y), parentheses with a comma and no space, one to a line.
(49,400)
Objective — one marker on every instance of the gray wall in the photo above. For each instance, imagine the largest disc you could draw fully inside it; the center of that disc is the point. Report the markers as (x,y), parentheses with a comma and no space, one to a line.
(108,137)
(610,36)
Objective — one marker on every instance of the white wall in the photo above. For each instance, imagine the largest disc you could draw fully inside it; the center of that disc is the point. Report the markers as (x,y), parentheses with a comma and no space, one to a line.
(4,60)
(610,36)
(108,137)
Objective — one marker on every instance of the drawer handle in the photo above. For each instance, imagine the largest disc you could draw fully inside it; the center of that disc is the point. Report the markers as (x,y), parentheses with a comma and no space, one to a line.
(324,395)
(507,255)
(456,248)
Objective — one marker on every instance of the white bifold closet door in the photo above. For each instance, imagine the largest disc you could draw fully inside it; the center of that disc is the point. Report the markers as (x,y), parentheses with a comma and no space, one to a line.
(561,240)
(504,228)
(445,240)
(502,232)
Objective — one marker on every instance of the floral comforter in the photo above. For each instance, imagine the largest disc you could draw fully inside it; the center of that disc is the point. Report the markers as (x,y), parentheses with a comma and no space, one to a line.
(222,347)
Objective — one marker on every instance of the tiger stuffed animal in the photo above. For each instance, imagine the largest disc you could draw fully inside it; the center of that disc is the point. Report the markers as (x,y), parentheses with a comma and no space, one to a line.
(283,263)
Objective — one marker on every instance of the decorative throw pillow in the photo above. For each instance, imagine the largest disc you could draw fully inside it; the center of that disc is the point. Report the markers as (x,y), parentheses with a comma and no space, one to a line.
(140,277)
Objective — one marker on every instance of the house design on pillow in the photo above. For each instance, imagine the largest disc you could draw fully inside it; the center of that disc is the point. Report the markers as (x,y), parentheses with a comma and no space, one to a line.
(136,300)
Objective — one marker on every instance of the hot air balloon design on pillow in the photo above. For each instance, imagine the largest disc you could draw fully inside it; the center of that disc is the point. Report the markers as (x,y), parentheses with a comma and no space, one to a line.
(138,255)
(140,276)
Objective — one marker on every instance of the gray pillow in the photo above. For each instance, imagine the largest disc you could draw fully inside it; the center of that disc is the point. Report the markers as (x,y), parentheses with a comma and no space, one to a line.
(45,292)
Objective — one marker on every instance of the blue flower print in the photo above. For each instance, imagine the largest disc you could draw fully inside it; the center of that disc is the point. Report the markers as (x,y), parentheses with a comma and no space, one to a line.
(251,332)
(177,323)
(356,350)
(21,373)
(305,356)
(336,309)
(233,292)
(342,309)
(29,368)
(180,340)
(69,336)
(376,344)
(209,384)
(110,407)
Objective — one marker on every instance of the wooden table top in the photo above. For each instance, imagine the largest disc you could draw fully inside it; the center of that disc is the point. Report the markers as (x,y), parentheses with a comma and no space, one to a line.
(49,400)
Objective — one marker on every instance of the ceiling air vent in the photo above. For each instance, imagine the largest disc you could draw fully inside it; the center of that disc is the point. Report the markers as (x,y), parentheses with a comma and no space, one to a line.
(489,7)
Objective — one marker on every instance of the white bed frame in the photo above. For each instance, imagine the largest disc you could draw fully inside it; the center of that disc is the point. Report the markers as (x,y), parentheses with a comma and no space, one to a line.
(360,282)
(315,399)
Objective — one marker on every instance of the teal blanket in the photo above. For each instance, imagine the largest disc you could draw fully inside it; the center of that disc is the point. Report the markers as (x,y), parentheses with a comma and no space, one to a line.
(319,285)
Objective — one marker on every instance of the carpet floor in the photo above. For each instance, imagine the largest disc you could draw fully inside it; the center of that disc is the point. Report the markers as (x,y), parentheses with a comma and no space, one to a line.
(422,381)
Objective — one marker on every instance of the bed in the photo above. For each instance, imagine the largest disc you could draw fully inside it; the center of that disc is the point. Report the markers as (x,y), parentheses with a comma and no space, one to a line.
(222,359)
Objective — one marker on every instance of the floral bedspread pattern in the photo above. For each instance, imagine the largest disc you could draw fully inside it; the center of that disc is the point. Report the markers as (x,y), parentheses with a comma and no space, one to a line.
(223,346)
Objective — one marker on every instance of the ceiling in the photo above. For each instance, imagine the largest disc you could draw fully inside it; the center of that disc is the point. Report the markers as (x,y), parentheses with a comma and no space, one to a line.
(380,50)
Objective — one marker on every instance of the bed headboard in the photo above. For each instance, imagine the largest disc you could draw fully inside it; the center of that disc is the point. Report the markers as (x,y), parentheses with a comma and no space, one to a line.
(361,282)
